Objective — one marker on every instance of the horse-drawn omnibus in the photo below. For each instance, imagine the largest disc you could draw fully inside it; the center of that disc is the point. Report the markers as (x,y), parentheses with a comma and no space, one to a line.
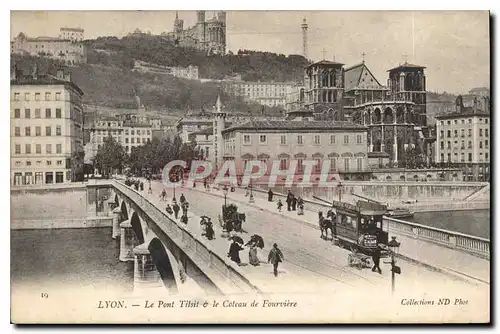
(360,227)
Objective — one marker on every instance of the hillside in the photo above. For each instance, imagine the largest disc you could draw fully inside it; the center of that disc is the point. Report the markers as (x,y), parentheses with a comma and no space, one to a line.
(115,87)
(251,65)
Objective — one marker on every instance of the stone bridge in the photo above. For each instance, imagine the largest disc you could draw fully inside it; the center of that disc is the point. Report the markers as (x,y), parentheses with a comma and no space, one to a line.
(165,254)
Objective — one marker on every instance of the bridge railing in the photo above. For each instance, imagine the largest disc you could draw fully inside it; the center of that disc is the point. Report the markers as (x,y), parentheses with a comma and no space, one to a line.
(469,243)
(187,240)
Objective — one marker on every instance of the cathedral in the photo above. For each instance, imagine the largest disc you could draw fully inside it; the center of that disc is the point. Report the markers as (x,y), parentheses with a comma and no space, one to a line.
(395,115)
(207,35)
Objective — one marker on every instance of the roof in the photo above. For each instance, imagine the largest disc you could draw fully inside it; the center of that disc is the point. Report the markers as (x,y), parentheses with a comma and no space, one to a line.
(352,77)
(205,131)
(290,125)
(406,65)
(72,29)
(326,63)
(136,125)
(44,80)
(479,89)
(468,112)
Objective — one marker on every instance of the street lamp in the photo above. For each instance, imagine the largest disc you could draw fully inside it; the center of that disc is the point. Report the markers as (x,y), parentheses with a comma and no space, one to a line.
(339,187)
(224,191)
(394,248)
(251,193)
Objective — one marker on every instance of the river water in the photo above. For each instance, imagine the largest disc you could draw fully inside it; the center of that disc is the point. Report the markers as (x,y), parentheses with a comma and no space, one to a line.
(77,257)
(473,222)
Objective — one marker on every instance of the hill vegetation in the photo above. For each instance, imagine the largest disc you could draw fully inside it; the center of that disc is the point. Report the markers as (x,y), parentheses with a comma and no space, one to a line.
(251,65)
(116,87)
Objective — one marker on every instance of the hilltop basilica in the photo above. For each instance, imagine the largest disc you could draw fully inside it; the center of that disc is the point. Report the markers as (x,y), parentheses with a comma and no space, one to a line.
(207,35)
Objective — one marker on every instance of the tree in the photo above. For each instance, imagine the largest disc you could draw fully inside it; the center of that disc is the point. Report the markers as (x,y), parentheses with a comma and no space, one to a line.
(77,166)
(110,156)
(412,158)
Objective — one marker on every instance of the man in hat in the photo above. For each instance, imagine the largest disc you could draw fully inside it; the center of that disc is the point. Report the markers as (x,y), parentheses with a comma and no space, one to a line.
(275,257)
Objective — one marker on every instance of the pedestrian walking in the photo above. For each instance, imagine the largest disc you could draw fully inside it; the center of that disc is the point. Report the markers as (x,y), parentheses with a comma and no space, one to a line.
(169,209)
(252,255)
(275,257)
(141,185)
(163,195)
(300,203)
(270,195)
(176,209)
(234,252)
(185,207)
(280,205)
(289,198)
(294,203)
(182,199)
(376,261)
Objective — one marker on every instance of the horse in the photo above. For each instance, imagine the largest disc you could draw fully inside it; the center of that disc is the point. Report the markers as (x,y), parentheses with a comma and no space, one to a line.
(325,225)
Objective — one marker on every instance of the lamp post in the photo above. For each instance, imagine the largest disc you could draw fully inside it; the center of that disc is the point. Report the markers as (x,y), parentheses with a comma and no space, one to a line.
(251,200)
(394,248)
(224,191)
(339,187)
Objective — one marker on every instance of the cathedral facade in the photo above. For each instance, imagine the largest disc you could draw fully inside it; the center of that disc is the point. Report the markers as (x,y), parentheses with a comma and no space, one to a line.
(394,114)
(207,35)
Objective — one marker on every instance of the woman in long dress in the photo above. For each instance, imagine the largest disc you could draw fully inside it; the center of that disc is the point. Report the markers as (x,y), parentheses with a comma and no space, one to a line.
(252,255)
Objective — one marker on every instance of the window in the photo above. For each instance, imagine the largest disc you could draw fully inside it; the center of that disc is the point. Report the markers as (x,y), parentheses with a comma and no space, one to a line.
(59,177)
(317,166)
(470,144)
(149,132)
(359,139)
(49,176)
(18,149)
(39,148)
(283,164)
(469,133)
(37,113)
(486,155)
(143,140)
(27,113)
(17,113)
(132,132)
(48,131)
(442,122)
(448,134)
(486,132)
(59,148)
(17,131)
(300,165)
(462,159)
(283,140)
(346,139)
(317,139)
(27,147)
(486,143)
(59,162)
(449,157)
(132,140)
(48,148)
(47,96)
(442,145)
(300,140)
(333,163)
(58,96)
(332,139)
(27,131)
(463,121)
(441,134)
(58,130)
(480,144)
(37,96)
(462,133)
(470,157)
(442,157)
(480,132)
(448,122)
(262,139)
(463,145)
(449,145)
(126,140)
(360,164)
(16,96)
(58,113)
(47,113)
(38,131)
(346,164)
(470,121)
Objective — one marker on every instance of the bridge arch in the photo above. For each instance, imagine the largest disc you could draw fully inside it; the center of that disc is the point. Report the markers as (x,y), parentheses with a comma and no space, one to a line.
(163,264)
(124,211)
(137,228)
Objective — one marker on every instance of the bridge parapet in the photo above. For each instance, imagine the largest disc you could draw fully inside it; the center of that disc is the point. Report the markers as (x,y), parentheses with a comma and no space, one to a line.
(471,244)
(224,274)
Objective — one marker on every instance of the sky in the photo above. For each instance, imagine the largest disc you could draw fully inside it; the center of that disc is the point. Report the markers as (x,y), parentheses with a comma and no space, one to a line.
(452,45)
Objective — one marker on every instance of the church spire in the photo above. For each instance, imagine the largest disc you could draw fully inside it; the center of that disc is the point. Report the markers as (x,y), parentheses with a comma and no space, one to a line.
(218,104)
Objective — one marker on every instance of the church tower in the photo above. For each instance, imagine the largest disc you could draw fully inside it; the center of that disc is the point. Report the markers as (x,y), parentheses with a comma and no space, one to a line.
(178,26)
(219,123)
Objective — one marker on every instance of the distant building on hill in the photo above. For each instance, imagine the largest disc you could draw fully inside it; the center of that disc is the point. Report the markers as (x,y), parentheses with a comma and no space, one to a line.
(207,35)
(68,47)
(190,72)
